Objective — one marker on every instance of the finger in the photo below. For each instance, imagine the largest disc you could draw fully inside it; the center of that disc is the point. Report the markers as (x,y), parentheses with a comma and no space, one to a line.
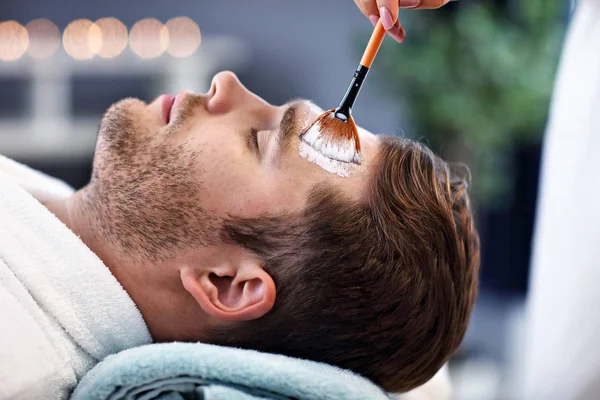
(388,12)
(409,3)
(432,3)
(367,7)
(397,32)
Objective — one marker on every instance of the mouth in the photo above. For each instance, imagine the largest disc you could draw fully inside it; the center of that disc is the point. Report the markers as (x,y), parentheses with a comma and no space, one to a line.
(170,104)
(167,106)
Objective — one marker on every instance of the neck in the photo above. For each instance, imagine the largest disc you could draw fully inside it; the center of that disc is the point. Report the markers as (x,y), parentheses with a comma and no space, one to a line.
(170,313)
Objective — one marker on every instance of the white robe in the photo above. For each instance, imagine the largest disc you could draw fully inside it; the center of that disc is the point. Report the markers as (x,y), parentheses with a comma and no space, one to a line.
(562,346)
(61,310)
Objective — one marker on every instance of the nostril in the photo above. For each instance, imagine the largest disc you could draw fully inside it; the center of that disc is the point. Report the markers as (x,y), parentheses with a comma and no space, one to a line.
(222,93)
(226,81)
(212,91)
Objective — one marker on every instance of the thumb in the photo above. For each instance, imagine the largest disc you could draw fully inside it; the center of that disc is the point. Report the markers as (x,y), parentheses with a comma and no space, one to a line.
(409,3)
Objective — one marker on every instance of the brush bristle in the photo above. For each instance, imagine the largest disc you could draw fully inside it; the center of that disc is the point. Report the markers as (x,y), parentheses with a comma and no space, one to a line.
(334,138)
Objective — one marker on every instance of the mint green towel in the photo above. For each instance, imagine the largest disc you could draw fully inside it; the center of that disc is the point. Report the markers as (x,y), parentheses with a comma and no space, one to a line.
(194,371)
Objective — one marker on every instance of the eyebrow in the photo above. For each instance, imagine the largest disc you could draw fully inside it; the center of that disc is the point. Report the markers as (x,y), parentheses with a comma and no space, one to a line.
(287,130)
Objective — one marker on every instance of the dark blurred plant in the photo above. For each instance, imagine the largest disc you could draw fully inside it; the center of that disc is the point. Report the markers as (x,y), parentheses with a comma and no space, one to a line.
(477,80)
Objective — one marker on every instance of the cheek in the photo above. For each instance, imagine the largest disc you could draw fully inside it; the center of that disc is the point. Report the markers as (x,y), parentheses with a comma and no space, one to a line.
(236,184)
(234,181)
(230,176)
(232,190)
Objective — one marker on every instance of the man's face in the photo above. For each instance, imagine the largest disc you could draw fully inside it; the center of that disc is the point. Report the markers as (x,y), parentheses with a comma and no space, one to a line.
(165,176)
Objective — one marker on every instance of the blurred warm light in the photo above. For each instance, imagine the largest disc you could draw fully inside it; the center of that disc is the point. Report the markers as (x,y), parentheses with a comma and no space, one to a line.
(44,38)
(107,37)
(13,40)
(184,36)
(82,39)
(114,37)
(95,38)
(148,38)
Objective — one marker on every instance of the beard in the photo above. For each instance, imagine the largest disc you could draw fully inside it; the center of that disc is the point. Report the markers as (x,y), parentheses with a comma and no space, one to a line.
(145,195)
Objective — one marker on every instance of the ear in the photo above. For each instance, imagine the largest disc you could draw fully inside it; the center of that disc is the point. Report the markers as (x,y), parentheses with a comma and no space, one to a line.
(231,293)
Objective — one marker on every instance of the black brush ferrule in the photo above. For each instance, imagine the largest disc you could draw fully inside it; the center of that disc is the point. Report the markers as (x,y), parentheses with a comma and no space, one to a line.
(345,109)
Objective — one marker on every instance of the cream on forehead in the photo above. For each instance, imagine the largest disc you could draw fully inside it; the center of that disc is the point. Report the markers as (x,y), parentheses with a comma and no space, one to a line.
(339,168)
(332,166)
(307,152)
(314,108)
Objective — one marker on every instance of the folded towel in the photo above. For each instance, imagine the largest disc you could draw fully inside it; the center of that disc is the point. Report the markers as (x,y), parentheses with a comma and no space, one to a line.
(200,371)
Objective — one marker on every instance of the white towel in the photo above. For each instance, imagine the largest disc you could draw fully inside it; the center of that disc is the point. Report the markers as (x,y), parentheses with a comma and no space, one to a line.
(561,343)
(61,309)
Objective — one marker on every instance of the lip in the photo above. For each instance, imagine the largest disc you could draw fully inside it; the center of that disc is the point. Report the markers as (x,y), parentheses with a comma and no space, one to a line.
(177,102)
(168,101)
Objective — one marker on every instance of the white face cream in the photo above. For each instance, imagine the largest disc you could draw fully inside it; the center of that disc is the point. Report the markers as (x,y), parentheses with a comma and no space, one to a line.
(338,168)
(308,152)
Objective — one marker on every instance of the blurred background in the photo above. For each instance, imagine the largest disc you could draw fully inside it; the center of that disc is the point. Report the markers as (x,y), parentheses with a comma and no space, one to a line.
(473,81)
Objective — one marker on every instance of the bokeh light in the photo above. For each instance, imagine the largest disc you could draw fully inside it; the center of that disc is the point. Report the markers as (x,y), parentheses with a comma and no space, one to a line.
(114,37)
(44,38)
(95,38)
(82,39)
(148,38)
(184,36)
(14,40)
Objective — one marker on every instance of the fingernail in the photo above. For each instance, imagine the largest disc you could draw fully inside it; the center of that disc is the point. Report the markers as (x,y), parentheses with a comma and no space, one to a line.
(374,19)
(401,34)
(386,18)
(409,3)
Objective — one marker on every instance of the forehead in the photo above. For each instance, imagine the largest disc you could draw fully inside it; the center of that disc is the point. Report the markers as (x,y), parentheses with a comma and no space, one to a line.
(363,179)
(369,144)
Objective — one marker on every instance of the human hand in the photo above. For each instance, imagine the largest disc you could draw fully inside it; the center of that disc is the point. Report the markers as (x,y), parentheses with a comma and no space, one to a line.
(388,10)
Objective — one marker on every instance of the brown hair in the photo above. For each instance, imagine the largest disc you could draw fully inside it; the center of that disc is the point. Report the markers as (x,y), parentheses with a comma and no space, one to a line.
(384,288)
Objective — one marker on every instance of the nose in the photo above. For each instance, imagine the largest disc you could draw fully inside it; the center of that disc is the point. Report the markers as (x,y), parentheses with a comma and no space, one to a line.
(229,94)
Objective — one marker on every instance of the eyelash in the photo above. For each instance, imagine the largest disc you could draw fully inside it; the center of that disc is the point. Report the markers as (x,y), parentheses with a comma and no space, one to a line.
(253,139)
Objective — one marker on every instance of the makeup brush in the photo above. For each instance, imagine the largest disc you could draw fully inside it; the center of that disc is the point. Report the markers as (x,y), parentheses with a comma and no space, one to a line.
(334,133)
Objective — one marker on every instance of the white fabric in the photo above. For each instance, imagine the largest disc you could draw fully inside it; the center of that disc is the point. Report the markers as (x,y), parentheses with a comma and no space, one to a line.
(438,388)
(562,343)
(61,309)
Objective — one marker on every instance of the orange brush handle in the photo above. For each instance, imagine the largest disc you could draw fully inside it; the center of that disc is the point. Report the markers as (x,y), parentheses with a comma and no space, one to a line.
(374,44)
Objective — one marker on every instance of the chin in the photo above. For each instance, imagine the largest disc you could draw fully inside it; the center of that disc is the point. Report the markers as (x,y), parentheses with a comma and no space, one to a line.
(123,118)
(121,133)
(129,107)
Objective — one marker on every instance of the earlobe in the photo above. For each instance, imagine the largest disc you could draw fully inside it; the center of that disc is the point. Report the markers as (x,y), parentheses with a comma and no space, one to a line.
(231,295)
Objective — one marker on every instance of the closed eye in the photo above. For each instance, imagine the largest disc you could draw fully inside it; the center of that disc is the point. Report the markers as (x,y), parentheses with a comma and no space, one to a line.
(253,138)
